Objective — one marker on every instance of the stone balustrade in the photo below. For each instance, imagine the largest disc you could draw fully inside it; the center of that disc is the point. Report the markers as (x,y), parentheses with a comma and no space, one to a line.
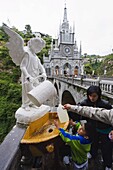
(106,85)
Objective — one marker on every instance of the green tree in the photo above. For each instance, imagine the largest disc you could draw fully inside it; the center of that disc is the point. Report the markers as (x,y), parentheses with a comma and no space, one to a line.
(28,33)
(28,29)
(45,50)
(88,68)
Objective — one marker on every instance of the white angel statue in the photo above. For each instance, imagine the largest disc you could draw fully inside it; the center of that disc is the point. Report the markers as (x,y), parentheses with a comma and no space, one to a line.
(26,58)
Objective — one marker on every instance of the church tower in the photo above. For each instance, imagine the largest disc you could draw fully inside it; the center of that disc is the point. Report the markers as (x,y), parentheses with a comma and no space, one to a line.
(66,34)
(64,57)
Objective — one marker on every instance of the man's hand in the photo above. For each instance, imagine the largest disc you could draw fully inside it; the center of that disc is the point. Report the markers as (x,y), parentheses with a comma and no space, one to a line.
(67,106)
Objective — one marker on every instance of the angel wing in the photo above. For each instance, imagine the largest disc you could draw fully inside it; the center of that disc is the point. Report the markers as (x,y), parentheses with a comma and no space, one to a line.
(15,45)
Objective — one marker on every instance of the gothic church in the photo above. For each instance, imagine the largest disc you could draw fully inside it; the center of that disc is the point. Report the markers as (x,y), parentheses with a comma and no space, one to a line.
(64,57)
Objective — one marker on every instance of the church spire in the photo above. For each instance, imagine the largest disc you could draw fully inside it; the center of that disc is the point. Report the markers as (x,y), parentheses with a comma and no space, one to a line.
(66,34)
(65,14)
(65,24)
(80,49)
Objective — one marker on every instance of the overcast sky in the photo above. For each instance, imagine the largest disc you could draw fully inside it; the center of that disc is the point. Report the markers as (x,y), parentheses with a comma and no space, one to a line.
(93,20)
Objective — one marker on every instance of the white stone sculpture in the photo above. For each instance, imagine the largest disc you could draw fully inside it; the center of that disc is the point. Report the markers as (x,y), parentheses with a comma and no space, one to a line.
(30,65)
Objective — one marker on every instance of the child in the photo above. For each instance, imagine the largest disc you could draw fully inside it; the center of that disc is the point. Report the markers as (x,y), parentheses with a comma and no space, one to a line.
(80,144)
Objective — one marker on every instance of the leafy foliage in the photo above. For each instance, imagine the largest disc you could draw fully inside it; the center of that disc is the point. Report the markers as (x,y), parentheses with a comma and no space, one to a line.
(99,65)
(88,68)
(10,101)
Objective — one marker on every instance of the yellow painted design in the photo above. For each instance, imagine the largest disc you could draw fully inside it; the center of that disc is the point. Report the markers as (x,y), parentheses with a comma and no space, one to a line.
(43,129)
(50,148)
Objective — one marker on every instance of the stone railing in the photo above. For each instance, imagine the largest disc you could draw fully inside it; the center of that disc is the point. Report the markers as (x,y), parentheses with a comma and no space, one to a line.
(106,85)
(10,152)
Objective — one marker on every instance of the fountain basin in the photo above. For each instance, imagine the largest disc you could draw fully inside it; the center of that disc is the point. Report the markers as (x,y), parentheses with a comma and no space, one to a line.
(43,129)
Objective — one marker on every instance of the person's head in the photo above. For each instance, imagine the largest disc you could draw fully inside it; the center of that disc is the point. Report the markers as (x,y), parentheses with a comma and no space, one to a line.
(94,93)
(36,44)
(87,130)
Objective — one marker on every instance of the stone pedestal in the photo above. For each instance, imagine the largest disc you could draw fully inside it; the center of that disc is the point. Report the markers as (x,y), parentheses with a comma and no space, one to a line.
(27,116)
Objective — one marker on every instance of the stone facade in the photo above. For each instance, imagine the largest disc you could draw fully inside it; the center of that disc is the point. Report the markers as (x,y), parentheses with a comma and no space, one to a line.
(64,57)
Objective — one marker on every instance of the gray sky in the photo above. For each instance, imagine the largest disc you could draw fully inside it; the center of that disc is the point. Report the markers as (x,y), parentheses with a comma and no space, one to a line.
(93,20)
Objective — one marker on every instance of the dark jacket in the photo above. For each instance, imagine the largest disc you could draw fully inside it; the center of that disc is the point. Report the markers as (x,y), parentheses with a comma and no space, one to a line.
(100,103)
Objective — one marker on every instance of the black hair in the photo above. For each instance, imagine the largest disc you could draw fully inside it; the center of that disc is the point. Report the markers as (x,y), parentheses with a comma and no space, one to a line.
(90,130)
(94,89)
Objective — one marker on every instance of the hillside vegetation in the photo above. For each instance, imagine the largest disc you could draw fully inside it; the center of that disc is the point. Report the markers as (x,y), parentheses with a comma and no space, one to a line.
(108,65)
(101,66)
